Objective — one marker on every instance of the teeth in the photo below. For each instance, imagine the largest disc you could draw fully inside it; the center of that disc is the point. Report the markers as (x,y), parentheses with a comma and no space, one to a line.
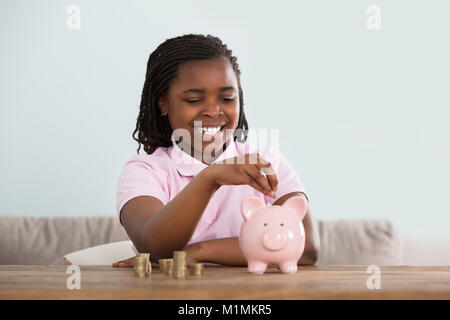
(211,130)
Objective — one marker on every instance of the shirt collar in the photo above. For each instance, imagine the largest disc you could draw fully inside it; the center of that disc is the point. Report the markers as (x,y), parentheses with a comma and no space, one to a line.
(189,166)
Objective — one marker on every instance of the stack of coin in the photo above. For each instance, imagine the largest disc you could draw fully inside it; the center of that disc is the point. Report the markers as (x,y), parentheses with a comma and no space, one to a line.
(169,267)
(196,269)
(179,264)
(163,263)
(142,266)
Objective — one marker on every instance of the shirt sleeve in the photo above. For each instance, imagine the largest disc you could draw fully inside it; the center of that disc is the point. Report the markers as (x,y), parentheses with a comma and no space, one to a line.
(140,178)
(288,180)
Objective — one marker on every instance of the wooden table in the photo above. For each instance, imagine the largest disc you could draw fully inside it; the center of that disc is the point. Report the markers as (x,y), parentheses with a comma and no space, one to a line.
(310,282)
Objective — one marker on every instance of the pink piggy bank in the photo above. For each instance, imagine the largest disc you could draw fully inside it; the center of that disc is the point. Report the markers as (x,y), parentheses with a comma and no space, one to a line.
(273,235)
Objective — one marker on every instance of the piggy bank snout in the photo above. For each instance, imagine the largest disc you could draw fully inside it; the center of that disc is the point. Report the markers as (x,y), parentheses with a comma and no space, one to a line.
(275,240)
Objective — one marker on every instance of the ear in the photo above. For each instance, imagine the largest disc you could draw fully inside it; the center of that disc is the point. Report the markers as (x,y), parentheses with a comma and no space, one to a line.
(249,205)
(298,204)
(162,105)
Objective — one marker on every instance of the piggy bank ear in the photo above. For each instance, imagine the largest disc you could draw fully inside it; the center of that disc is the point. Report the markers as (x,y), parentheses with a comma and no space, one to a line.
(249,205)
(298,204)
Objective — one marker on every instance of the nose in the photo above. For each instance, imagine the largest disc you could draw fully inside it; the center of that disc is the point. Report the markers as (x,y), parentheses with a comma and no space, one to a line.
(213,110)
(275,240)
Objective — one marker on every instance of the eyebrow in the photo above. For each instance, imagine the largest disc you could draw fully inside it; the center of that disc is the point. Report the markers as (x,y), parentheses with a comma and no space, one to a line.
(203,91)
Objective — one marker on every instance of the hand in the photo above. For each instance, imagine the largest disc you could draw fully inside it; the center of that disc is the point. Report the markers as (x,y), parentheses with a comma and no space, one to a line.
(245,169)
(128,263)
(192,253)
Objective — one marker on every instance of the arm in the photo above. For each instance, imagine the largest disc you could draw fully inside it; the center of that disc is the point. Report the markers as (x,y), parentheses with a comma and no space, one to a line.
(227,251)
(151,225)
(161,229)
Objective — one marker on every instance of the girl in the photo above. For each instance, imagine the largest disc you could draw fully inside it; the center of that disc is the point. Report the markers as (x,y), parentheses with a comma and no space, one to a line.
(179,197)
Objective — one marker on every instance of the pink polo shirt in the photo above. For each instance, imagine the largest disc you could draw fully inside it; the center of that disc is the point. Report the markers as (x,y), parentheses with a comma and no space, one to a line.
(165,172)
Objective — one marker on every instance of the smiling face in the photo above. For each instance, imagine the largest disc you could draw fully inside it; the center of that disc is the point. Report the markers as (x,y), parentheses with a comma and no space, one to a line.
(206,91)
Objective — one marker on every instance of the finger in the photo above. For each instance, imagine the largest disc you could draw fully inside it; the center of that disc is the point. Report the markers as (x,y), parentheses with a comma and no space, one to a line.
(261,180)
(269,171)
(121,264)
(116,264)
(254,184)
(271,178)
(126,263)
(270,175)
(264,183)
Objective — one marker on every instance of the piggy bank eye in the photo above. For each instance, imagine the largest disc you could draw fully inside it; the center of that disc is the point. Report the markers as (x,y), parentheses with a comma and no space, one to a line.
(282,224)
(265,224)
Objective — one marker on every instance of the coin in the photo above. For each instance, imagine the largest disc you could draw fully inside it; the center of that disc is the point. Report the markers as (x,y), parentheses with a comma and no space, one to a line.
(196,269)
(179,264)
(179,255)
(141,264)
(162,265)
(168,267)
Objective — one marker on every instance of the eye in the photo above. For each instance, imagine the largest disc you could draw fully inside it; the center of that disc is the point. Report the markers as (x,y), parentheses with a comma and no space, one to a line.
(265,224)
(228,100)
(282,224)
(192,101)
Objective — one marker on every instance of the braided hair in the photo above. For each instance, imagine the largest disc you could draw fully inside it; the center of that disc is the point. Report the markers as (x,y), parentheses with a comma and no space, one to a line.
(153,129)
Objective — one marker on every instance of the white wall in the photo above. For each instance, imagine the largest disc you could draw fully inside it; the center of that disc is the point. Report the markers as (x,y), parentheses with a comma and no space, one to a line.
(362,113)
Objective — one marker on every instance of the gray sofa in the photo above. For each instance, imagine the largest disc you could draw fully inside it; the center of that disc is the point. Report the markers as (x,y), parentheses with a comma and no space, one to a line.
(42,241)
